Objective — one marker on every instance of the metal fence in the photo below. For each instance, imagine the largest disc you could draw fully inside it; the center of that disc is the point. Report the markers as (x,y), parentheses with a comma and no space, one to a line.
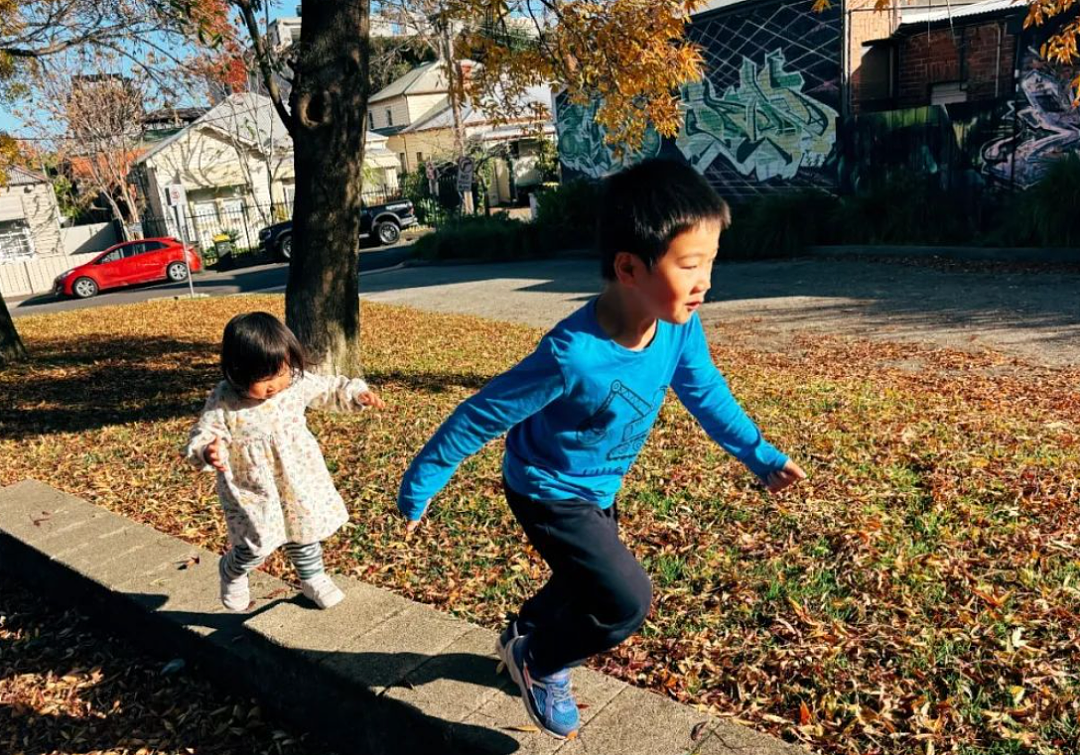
(207,225)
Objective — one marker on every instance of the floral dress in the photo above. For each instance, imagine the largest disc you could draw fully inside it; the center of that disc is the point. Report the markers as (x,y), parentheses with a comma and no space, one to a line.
(277,488)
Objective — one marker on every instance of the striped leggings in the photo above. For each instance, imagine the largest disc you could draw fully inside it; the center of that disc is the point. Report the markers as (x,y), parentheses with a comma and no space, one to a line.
(240,560)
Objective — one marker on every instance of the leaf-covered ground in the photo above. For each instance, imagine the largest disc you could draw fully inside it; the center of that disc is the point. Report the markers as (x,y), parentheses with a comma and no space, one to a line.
(67,688)
(918,595)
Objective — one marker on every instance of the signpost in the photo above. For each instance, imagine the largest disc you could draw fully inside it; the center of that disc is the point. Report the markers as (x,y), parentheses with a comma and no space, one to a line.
(177,199)
(464,182)
(432,176)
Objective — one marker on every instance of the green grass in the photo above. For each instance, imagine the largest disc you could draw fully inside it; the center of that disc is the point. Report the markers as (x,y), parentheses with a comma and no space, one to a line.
(939,519)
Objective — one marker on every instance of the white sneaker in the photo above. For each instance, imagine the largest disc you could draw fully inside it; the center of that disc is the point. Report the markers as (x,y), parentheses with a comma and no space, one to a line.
(235,593)
(322,591)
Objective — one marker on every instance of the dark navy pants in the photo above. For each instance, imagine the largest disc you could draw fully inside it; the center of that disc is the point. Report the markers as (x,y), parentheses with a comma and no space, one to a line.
(598,594)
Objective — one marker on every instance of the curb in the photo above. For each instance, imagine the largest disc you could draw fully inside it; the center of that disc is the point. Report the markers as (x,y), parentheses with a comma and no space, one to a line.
(966,253)
(378,674)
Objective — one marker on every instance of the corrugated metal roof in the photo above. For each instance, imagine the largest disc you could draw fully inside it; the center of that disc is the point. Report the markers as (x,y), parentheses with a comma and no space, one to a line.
(716,5)
(17,176)
(938,14)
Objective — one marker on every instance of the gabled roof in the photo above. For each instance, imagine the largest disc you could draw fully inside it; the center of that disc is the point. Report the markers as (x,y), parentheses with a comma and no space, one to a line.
(443,116)
(17,176)
(428,78)
(248,117)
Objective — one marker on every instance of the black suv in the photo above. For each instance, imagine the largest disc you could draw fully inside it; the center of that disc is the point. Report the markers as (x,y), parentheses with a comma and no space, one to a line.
(382,222)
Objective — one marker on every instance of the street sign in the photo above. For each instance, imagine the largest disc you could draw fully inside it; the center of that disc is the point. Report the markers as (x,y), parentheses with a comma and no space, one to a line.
(175,195)
(465,174)
(432,177)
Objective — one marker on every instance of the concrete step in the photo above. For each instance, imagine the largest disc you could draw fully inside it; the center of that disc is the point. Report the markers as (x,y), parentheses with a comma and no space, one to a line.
(376,674)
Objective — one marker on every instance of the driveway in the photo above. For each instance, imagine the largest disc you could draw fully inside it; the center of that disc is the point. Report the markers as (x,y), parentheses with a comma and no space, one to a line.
(1032,315)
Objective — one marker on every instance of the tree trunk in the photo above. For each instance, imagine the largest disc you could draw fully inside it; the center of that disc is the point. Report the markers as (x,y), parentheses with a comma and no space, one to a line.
(11,346)
(329,108)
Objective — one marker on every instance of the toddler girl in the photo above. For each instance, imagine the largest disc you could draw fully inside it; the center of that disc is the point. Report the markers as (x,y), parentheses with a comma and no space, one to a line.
(271,476)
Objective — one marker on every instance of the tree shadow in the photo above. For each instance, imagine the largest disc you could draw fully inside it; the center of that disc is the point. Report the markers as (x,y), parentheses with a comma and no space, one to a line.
(365,716)
(85,385)
(117,698)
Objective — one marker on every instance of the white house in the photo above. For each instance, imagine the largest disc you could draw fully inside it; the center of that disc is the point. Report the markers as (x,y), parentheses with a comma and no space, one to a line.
(235,165)
(29,216)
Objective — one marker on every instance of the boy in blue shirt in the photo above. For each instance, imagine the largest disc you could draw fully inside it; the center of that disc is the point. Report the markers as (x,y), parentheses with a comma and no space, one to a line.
(578,410)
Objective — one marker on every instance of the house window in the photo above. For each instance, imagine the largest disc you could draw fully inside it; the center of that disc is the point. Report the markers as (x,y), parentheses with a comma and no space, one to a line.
(389,117)
(419,158)
(404,162)
(290,196)
(371,120)
(947,93)
(15,240)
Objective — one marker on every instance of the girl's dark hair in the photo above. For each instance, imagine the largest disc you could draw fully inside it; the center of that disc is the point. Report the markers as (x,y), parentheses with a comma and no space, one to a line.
(644,207)
(255,346)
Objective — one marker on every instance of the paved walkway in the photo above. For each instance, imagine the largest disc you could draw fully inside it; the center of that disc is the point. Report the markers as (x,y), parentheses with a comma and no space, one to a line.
(377,674)
(1032,315)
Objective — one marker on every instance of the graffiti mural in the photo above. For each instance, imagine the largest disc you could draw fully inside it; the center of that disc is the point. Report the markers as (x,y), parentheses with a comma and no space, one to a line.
(765,128)
(1045,126)
(764,117)
(582,148)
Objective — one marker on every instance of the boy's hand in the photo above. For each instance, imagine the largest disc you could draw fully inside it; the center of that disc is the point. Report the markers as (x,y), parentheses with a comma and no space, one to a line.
(369,398)
(781,478)
(214,455)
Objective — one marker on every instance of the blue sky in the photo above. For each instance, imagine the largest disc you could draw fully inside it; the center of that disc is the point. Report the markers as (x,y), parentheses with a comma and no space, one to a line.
(10,123)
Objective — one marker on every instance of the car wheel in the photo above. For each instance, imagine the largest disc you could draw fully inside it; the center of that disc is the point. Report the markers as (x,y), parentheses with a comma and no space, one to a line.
(177,271)
(387,232)
(84,288)
(285,246)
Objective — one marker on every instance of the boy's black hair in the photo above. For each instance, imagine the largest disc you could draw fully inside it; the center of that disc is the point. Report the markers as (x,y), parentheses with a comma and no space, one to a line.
(255,346)
(643,208)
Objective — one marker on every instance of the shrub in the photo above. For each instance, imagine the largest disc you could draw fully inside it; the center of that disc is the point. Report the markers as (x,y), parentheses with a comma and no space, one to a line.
(497,237)
(778,225)
(1049,208)
(566,214)
(903,208)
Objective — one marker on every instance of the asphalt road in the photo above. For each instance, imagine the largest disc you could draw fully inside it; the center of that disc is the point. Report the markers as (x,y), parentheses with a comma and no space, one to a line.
(261,278)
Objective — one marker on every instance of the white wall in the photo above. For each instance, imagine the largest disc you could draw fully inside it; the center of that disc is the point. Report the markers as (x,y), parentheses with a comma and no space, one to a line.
(84,239)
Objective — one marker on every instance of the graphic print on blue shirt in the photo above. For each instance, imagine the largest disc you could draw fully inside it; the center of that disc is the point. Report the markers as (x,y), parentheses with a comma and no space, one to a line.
(594,430)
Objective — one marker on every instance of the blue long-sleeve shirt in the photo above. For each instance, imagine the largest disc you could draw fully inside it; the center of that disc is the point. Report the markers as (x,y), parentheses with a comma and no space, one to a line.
(578,410)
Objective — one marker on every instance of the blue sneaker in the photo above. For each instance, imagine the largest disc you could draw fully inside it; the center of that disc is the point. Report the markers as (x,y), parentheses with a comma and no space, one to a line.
(548,700)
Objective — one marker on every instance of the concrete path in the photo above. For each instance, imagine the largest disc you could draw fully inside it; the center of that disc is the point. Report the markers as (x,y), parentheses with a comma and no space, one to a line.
(1032,315)
(377,674)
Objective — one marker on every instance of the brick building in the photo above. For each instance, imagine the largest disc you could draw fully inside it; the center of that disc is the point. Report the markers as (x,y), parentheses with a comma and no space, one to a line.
(944,56)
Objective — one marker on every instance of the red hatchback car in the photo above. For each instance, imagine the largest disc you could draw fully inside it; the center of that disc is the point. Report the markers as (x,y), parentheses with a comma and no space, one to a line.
(125,264)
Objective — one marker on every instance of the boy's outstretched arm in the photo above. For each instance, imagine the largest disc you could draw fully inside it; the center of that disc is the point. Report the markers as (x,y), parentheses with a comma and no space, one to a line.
(508,399)
(703,390)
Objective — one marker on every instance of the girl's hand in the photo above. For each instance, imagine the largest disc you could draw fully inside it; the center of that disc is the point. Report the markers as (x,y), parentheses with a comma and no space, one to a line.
(781,478)
(369,398)
(214,454)
(410,528)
